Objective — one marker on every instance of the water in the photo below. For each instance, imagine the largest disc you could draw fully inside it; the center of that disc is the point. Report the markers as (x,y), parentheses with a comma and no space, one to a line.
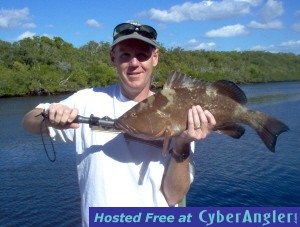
(34,191)
(229,172)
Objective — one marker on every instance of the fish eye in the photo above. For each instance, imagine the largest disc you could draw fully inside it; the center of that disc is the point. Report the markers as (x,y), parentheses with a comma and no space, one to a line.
(133,114)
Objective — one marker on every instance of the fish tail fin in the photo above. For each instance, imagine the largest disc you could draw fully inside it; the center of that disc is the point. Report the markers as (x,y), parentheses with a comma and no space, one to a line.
(269,128)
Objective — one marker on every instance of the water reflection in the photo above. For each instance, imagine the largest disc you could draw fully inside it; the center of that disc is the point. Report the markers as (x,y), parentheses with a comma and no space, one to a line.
(273,98)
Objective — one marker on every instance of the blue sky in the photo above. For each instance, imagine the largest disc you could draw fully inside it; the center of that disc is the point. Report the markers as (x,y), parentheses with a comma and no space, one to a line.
(221,25)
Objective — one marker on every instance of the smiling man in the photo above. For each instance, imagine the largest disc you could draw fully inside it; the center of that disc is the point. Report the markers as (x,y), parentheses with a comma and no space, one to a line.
(113,169)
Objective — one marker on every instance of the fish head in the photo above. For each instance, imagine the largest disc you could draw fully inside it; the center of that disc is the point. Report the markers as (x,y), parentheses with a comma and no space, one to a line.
(145,120)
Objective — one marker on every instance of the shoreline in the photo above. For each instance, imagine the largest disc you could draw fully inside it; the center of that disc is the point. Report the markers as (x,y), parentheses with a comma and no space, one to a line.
(44,94)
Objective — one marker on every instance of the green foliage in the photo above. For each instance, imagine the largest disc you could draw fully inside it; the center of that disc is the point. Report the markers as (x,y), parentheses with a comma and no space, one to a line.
(40,65)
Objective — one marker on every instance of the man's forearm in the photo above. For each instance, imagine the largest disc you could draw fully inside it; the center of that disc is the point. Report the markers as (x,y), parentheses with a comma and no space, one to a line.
(176,181)
(32,123)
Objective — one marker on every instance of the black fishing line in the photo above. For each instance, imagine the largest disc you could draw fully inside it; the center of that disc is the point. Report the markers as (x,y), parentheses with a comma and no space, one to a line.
(45,116)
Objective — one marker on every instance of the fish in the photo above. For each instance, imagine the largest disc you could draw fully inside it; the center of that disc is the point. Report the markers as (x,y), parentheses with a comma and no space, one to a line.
(163,115)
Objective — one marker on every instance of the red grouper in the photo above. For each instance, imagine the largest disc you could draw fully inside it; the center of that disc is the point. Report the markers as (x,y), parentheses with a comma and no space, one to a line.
(164,114)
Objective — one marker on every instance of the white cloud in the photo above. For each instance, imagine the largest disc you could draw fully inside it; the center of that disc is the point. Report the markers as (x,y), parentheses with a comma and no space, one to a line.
(93,23)
(49,26)
(227,31)
(47,35)
(162,26)
(193,41)
(252,2)
(26,34)
(29,26)
(296,27)
(267,16)
(206,46)
(194,44)
(11,18)
(203,10)
(275,24)
(263,48)
(271,10)
(292,46)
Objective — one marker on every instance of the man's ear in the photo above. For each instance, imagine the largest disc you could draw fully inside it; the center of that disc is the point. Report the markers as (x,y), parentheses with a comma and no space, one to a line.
(155,57)
(112,58)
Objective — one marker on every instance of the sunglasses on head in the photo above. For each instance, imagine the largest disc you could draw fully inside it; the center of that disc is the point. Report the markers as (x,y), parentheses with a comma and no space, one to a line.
(127,29)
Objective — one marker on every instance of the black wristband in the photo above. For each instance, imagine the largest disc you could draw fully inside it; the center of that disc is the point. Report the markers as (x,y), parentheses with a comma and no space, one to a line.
(179,157)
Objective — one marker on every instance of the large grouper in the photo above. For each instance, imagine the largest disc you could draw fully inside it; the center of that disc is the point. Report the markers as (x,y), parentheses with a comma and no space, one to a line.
(164,114)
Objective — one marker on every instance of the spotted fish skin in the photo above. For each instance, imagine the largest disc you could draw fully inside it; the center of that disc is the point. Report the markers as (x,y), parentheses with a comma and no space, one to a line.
(164,114)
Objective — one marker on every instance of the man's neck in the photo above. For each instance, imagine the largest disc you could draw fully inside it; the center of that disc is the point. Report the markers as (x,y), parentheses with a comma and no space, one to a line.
(137,96)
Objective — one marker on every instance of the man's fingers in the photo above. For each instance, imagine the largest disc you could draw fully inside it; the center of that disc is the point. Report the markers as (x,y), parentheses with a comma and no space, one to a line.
(197,120)
(211,119)
(61,115)
(73,115)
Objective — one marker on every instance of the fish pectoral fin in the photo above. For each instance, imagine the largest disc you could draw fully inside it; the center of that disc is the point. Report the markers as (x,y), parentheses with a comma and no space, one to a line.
(232,130)
(166,142)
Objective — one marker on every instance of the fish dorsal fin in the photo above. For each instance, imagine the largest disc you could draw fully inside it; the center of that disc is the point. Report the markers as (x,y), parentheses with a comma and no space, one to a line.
(230,89)
(224,87)
(179,80)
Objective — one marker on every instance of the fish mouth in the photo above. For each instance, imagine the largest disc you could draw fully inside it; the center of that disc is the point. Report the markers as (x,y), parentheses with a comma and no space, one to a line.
(160,133)
(133,132)
(125,128)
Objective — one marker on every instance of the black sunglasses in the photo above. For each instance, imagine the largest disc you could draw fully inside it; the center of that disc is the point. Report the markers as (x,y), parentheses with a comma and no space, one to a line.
(127,29)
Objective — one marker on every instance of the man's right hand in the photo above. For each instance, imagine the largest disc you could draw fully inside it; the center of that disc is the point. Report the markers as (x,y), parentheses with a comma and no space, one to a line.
(61,116)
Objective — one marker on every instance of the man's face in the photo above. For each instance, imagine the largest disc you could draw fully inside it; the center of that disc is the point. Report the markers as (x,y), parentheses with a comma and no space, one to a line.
(134,61)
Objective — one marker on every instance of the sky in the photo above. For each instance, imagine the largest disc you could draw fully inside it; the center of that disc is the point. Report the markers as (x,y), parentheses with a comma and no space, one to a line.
(219,25)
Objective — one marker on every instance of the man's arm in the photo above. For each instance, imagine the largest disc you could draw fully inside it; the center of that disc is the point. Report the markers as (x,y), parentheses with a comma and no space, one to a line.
(176,181)
(32,121)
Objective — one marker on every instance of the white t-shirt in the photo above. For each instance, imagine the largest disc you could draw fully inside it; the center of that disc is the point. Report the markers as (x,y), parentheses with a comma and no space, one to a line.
(113,171)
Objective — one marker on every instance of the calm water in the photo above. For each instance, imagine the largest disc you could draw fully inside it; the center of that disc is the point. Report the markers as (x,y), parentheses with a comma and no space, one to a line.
(229,172)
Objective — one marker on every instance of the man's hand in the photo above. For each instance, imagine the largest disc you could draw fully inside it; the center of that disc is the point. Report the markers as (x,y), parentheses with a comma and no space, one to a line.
(200,124)
(61,116)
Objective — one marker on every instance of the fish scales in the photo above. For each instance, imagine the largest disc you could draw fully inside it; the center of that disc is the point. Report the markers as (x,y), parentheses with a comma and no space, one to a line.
(164,114)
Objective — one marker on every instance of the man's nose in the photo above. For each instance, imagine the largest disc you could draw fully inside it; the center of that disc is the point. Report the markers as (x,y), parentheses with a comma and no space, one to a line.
(134,61)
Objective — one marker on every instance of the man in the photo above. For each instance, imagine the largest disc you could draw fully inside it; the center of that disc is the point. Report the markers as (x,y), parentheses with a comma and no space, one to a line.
(114,170)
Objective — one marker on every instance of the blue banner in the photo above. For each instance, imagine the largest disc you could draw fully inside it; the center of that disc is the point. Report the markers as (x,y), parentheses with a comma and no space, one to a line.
(195,216)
